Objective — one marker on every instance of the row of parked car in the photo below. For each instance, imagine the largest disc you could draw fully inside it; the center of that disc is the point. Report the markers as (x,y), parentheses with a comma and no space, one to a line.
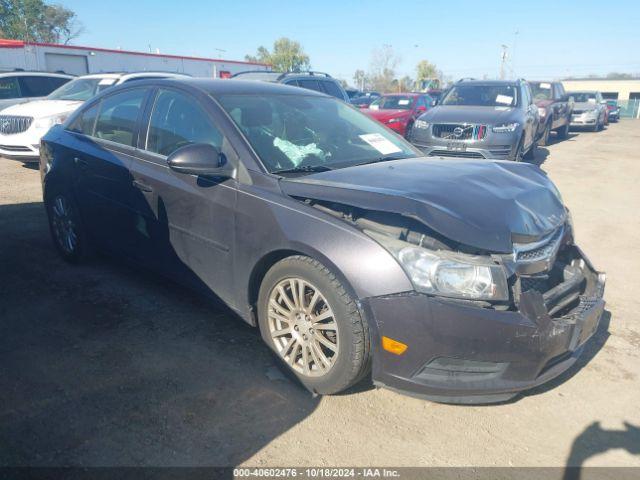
(472,118)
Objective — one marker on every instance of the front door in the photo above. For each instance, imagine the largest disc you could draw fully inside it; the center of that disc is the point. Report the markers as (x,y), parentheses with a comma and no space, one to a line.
(190,220)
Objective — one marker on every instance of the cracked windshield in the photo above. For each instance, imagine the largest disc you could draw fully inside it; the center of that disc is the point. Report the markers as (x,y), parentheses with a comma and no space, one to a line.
(307,133)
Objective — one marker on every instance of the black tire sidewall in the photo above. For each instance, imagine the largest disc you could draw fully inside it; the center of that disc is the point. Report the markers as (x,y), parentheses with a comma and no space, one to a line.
(351,361)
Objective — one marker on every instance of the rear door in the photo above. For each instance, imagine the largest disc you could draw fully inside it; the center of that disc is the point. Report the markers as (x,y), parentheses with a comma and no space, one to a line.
(190,219)
(105,144)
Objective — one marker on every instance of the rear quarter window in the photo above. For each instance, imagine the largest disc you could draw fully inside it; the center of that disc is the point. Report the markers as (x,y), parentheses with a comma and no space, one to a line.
(86,121)
(118,116)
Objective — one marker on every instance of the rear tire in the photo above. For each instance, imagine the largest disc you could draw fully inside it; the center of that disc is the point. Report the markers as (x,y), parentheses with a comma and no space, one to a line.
(67,229)
(313,325)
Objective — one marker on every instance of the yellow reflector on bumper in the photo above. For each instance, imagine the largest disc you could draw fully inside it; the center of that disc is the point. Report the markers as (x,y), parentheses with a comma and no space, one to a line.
(393,346)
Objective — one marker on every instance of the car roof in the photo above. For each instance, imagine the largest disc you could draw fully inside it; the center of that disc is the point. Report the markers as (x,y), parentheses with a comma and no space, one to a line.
(404,94)
(271,76)
(512,83)
(129,75)
(22,73)
(217,87)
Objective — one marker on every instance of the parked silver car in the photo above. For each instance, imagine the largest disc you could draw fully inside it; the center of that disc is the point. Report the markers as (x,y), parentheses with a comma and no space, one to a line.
(480,119)
(589,111)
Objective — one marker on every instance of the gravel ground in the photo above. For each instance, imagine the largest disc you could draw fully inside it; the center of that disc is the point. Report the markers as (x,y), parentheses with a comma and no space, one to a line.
(104,365)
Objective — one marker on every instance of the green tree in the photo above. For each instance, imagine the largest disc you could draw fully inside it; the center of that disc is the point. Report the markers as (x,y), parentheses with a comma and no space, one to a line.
(37,21)
(426,71)
(287,56)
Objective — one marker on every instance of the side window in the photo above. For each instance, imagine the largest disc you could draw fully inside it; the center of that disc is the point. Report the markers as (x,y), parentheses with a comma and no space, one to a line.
(178,120)
(34,86)
(9,88)
(86,121)
(310,84)
(421,102)
(57,82)
(292,83)
(332,89)
(118,116)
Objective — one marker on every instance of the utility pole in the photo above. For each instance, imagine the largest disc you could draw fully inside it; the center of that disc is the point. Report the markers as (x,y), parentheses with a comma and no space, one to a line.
(504,61)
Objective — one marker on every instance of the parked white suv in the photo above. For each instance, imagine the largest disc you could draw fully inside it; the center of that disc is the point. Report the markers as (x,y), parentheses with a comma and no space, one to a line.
(22,126)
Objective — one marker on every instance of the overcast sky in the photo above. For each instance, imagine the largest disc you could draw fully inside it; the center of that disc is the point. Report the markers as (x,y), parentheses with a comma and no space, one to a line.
(546,39)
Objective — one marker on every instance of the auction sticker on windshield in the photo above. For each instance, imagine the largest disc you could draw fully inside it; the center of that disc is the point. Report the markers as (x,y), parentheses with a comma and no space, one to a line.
(380,143)
(504,99)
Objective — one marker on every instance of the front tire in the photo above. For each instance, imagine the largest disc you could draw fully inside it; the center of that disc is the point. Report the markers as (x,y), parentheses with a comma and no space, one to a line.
(563,132)
(313,325)
(66,227)
(517,155)
(544,139)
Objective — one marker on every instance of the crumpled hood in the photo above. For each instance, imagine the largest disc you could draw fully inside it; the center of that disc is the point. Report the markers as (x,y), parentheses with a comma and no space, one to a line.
(476,203)
(456,114)
(42,108)
(382,115)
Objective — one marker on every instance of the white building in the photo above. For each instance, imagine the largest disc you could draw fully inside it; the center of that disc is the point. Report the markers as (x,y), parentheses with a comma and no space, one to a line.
(77,60)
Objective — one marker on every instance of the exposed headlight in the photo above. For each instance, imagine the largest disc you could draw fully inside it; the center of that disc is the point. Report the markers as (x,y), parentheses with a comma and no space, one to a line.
(506,128)
(448,274)
(48,122)
(542,112)
(420,124)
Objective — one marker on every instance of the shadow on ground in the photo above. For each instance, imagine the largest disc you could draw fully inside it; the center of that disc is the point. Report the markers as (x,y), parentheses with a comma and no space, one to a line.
(595,440)
(103,365)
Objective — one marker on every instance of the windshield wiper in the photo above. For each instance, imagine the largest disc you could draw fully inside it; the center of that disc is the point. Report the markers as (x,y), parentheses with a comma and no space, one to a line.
(386,158)
(304,169)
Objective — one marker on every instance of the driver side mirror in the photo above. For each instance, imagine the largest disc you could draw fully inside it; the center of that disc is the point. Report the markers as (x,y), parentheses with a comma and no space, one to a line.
(200,159)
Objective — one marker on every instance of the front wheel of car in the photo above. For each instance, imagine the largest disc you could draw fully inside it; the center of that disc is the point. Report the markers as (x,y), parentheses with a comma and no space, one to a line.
(563,132)
(544,139)
(313,324)
(65,224)
(517,155)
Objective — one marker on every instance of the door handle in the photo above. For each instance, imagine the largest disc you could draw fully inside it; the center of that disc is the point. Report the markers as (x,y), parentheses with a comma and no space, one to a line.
(142,186)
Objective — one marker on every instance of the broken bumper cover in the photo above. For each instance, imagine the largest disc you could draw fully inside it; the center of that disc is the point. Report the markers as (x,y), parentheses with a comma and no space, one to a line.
(462,353)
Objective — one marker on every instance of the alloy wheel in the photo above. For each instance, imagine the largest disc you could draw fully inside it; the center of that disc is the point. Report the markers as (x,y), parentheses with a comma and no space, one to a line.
(64,224)
(302,327)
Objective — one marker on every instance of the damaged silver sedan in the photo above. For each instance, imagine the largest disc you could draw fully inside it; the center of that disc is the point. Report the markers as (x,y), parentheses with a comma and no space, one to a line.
(455,280)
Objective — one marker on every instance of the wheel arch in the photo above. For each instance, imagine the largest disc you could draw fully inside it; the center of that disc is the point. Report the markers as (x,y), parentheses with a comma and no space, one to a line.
(269,259)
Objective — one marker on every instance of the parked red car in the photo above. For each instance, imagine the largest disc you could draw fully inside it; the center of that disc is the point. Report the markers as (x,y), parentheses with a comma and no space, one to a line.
(398,111)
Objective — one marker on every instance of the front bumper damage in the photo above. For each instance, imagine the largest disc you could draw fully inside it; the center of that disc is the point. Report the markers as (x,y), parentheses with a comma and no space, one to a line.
(461,352)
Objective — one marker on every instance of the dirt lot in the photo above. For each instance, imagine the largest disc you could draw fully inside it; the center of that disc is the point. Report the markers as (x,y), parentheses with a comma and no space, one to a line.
(103,365)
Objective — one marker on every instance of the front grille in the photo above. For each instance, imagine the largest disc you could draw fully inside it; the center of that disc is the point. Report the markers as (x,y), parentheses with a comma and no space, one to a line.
(452,131)
(451,153)
(539,250)
(14,148)
(10,124)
